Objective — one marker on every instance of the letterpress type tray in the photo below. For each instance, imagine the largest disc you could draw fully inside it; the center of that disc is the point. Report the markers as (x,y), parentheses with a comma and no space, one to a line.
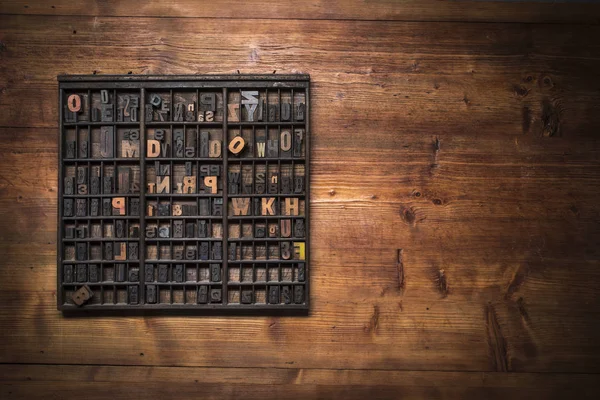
(183,192)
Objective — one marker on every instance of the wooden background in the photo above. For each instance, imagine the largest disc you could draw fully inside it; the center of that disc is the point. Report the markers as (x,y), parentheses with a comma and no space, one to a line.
(455,211)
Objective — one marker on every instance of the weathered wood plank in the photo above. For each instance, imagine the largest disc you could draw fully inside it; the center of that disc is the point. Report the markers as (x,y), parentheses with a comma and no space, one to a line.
(384,10)
(426,78)
(41,381)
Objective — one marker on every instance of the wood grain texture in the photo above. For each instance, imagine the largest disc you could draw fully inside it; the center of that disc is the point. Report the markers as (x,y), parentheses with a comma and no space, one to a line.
(101,382)
(469,148)
(383,10)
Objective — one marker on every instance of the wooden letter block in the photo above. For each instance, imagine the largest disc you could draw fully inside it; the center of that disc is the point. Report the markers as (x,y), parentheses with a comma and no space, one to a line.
(134,275)
(81,273)
(81,252)
(286,228)
(151,232)
(120,251)
(151,294)
(217,208)
(286,253)
(132,251)
(298,137)
(68,274)
(215,295)
(179,140)
(107,185)
(299,250)
(273,295)
(133,295)
(286,294)
(149,273)
(215,272)
(203,294)
(164,210)
(130,148)
(70,150)
(120,272)
(106,207)
(155,99)
(286,111)
(236,145)
(234,182)
(233,251)
(152,148)
(178,273)
(189,184)
(233,112)
(108,251)
(299,228)
(119,228)
(298,184)
(118,204)
(300,112)
(210,182)
(285,141)
(178,229)
(217,252)
(246,297)
(106,113)
(179,111)
(190,230)
(208,102)
(163,232)
(163,184)
(272,148)
(104,96)
(134,207)
(268,206)
(81,296)
(214,150)
(301,272)
(69,185)
(241,205)
(107,137)
(74,103)
(95,185)
(292,206)
(190,253)
(163,273)
(93,271)
(203,254)
(298,294)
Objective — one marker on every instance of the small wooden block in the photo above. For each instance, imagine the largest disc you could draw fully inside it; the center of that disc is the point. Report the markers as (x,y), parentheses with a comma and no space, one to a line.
(82,295)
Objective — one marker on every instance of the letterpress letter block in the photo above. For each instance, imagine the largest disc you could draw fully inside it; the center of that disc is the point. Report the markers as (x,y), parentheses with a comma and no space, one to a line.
(298,138)
(151,294)
(82,295)
(202,229)
(190,229)
(286,294)
(68,274)
(134,275)
(178,273)
(178,229)
(163,273)
(95,185)
(298,294)
(133,294)
(93,271)
(298,184)
(215,272)
(215,295)
(70,150)
(81,252)
(203,294)
(163,232)
(134,207)
(217,251)
(69,185)
(273,294)
(217,207)
(204,250)
(108,185)
(108,251)
(246,297)
(120,272)
(132,251)
(179,140)
(149,273)
(81,273)
(80,209)
(299,228)
(190,253)
(68,207)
